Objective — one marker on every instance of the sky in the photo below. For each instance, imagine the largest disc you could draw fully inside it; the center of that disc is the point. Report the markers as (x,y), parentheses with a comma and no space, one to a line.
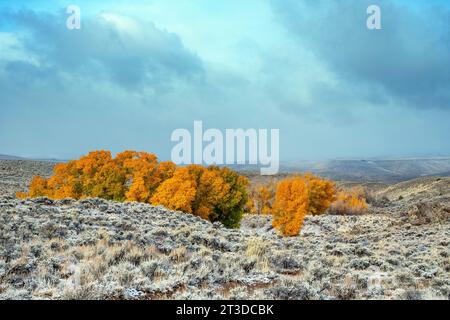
(138,70)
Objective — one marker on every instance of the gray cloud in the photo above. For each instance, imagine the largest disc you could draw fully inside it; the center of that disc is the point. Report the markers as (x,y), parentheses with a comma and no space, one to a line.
(104,86)
(408,60)
(102,51)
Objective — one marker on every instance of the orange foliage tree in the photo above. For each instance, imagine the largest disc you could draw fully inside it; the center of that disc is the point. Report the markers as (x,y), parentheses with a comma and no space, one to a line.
(132,176)
(298,196)
(216,194)
(193,189)
(230,208)
(321,194)
(38,188)
(145,174)
(290,206)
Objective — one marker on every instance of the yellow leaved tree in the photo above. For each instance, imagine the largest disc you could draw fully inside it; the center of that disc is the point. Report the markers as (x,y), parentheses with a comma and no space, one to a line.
(216,194)
(321,194)
(290,206)
(131,175)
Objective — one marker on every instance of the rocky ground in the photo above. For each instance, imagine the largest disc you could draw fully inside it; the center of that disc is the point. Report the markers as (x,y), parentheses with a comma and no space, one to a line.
(96,249)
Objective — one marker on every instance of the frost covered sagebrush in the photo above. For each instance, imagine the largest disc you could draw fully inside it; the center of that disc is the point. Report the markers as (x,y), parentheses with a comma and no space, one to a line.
(98,249)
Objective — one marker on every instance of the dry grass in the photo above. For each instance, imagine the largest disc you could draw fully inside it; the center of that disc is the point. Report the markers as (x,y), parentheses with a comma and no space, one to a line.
(259,249)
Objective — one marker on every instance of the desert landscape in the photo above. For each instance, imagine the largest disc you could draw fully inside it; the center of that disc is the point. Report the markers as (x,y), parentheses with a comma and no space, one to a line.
(205,151)
(99,249)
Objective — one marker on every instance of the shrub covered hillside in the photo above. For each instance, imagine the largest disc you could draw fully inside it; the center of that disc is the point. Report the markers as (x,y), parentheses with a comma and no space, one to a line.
(216,194)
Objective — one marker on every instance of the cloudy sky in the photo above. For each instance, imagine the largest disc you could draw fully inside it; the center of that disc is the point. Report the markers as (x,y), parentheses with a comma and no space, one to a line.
(135,72)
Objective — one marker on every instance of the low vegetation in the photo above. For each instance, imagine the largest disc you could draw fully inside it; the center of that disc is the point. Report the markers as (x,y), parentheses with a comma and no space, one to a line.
(350,202)
(98,249)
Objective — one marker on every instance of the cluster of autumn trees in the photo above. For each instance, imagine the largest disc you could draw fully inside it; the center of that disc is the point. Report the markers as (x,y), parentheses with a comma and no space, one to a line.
(212,193)
(216,194)
(291,199)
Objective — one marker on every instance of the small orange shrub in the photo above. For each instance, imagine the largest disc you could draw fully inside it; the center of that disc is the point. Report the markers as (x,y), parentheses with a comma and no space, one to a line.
(350,202)
(290,206)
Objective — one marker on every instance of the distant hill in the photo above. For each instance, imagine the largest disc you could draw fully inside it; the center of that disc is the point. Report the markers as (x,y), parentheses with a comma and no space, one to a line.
(9,157)
(383,170)
(428,189)
(373,170)
(387,171)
